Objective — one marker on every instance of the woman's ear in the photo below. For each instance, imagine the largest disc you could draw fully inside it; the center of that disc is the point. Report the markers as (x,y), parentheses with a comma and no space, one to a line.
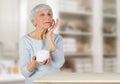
(34,22)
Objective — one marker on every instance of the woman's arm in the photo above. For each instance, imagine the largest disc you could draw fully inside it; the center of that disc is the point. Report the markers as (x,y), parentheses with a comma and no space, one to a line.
(55,47)
(52,46)
(26,66)
(57,54)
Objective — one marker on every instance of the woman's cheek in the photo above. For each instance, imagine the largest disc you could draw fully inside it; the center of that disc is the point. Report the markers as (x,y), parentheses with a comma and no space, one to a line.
(52,20)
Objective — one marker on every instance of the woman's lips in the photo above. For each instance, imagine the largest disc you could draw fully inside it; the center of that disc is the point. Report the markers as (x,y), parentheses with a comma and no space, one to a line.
(47,22)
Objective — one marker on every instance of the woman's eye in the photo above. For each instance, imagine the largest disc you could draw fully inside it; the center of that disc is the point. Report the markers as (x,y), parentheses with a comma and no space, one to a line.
(49,14)
(42,14)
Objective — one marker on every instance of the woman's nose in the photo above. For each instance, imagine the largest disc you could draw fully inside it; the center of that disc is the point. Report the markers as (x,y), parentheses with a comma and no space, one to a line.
(47,17)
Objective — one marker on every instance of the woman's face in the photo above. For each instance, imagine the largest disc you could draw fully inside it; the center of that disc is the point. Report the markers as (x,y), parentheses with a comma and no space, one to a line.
(43,19)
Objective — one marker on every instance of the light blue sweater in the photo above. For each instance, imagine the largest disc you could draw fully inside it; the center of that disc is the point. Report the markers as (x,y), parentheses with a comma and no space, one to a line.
(27,48)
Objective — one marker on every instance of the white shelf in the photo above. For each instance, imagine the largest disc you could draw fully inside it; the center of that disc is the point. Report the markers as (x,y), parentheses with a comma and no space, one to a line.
(110,54)
(75,33)
(67,54)
(109,35)
(76,12)
(110,16)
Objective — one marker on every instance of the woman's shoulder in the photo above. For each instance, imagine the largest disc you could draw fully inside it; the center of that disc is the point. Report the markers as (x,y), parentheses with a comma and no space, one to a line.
(25,39)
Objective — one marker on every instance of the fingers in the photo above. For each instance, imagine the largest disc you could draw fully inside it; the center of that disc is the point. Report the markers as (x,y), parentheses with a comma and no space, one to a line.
(54,25)
(33,58)
(45,62)
(48,60)
(57,21)
(42,63)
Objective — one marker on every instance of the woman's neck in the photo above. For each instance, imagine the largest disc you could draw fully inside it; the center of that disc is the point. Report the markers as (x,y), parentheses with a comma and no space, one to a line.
(39,33)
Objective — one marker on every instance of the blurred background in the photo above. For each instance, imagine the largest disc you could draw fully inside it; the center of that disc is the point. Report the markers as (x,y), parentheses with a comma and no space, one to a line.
(90,31)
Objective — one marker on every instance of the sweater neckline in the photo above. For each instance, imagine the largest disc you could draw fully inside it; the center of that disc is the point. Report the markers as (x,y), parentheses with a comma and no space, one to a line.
(34,38)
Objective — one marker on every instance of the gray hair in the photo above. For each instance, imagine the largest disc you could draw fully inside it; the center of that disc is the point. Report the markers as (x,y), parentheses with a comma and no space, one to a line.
(38,8)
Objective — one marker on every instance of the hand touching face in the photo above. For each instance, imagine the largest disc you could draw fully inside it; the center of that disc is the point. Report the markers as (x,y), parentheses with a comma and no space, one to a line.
(52,28)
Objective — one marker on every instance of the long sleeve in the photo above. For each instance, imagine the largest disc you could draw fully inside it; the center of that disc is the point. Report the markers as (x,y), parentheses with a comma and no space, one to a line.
(58,55)
(24,58)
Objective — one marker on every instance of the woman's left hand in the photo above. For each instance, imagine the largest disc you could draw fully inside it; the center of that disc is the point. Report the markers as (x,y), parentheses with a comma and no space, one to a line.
(51,29)
(47,61)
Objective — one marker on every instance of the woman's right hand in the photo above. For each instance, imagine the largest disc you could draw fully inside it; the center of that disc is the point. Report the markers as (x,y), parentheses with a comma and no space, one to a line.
(31,66)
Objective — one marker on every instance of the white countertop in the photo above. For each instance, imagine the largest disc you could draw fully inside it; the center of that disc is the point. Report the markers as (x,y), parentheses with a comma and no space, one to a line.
(64,77)
(11,77)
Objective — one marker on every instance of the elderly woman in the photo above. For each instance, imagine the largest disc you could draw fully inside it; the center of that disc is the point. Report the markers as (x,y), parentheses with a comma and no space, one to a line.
(42,38)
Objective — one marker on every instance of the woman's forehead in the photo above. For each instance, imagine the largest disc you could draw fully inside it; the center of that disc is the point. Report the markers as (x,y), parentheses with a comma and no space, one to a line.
(44,11)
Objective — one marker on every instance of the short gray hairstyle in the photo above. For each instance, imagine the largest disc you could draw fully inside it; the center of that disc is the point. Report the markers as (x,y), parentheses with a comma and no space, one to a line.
(38,8)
